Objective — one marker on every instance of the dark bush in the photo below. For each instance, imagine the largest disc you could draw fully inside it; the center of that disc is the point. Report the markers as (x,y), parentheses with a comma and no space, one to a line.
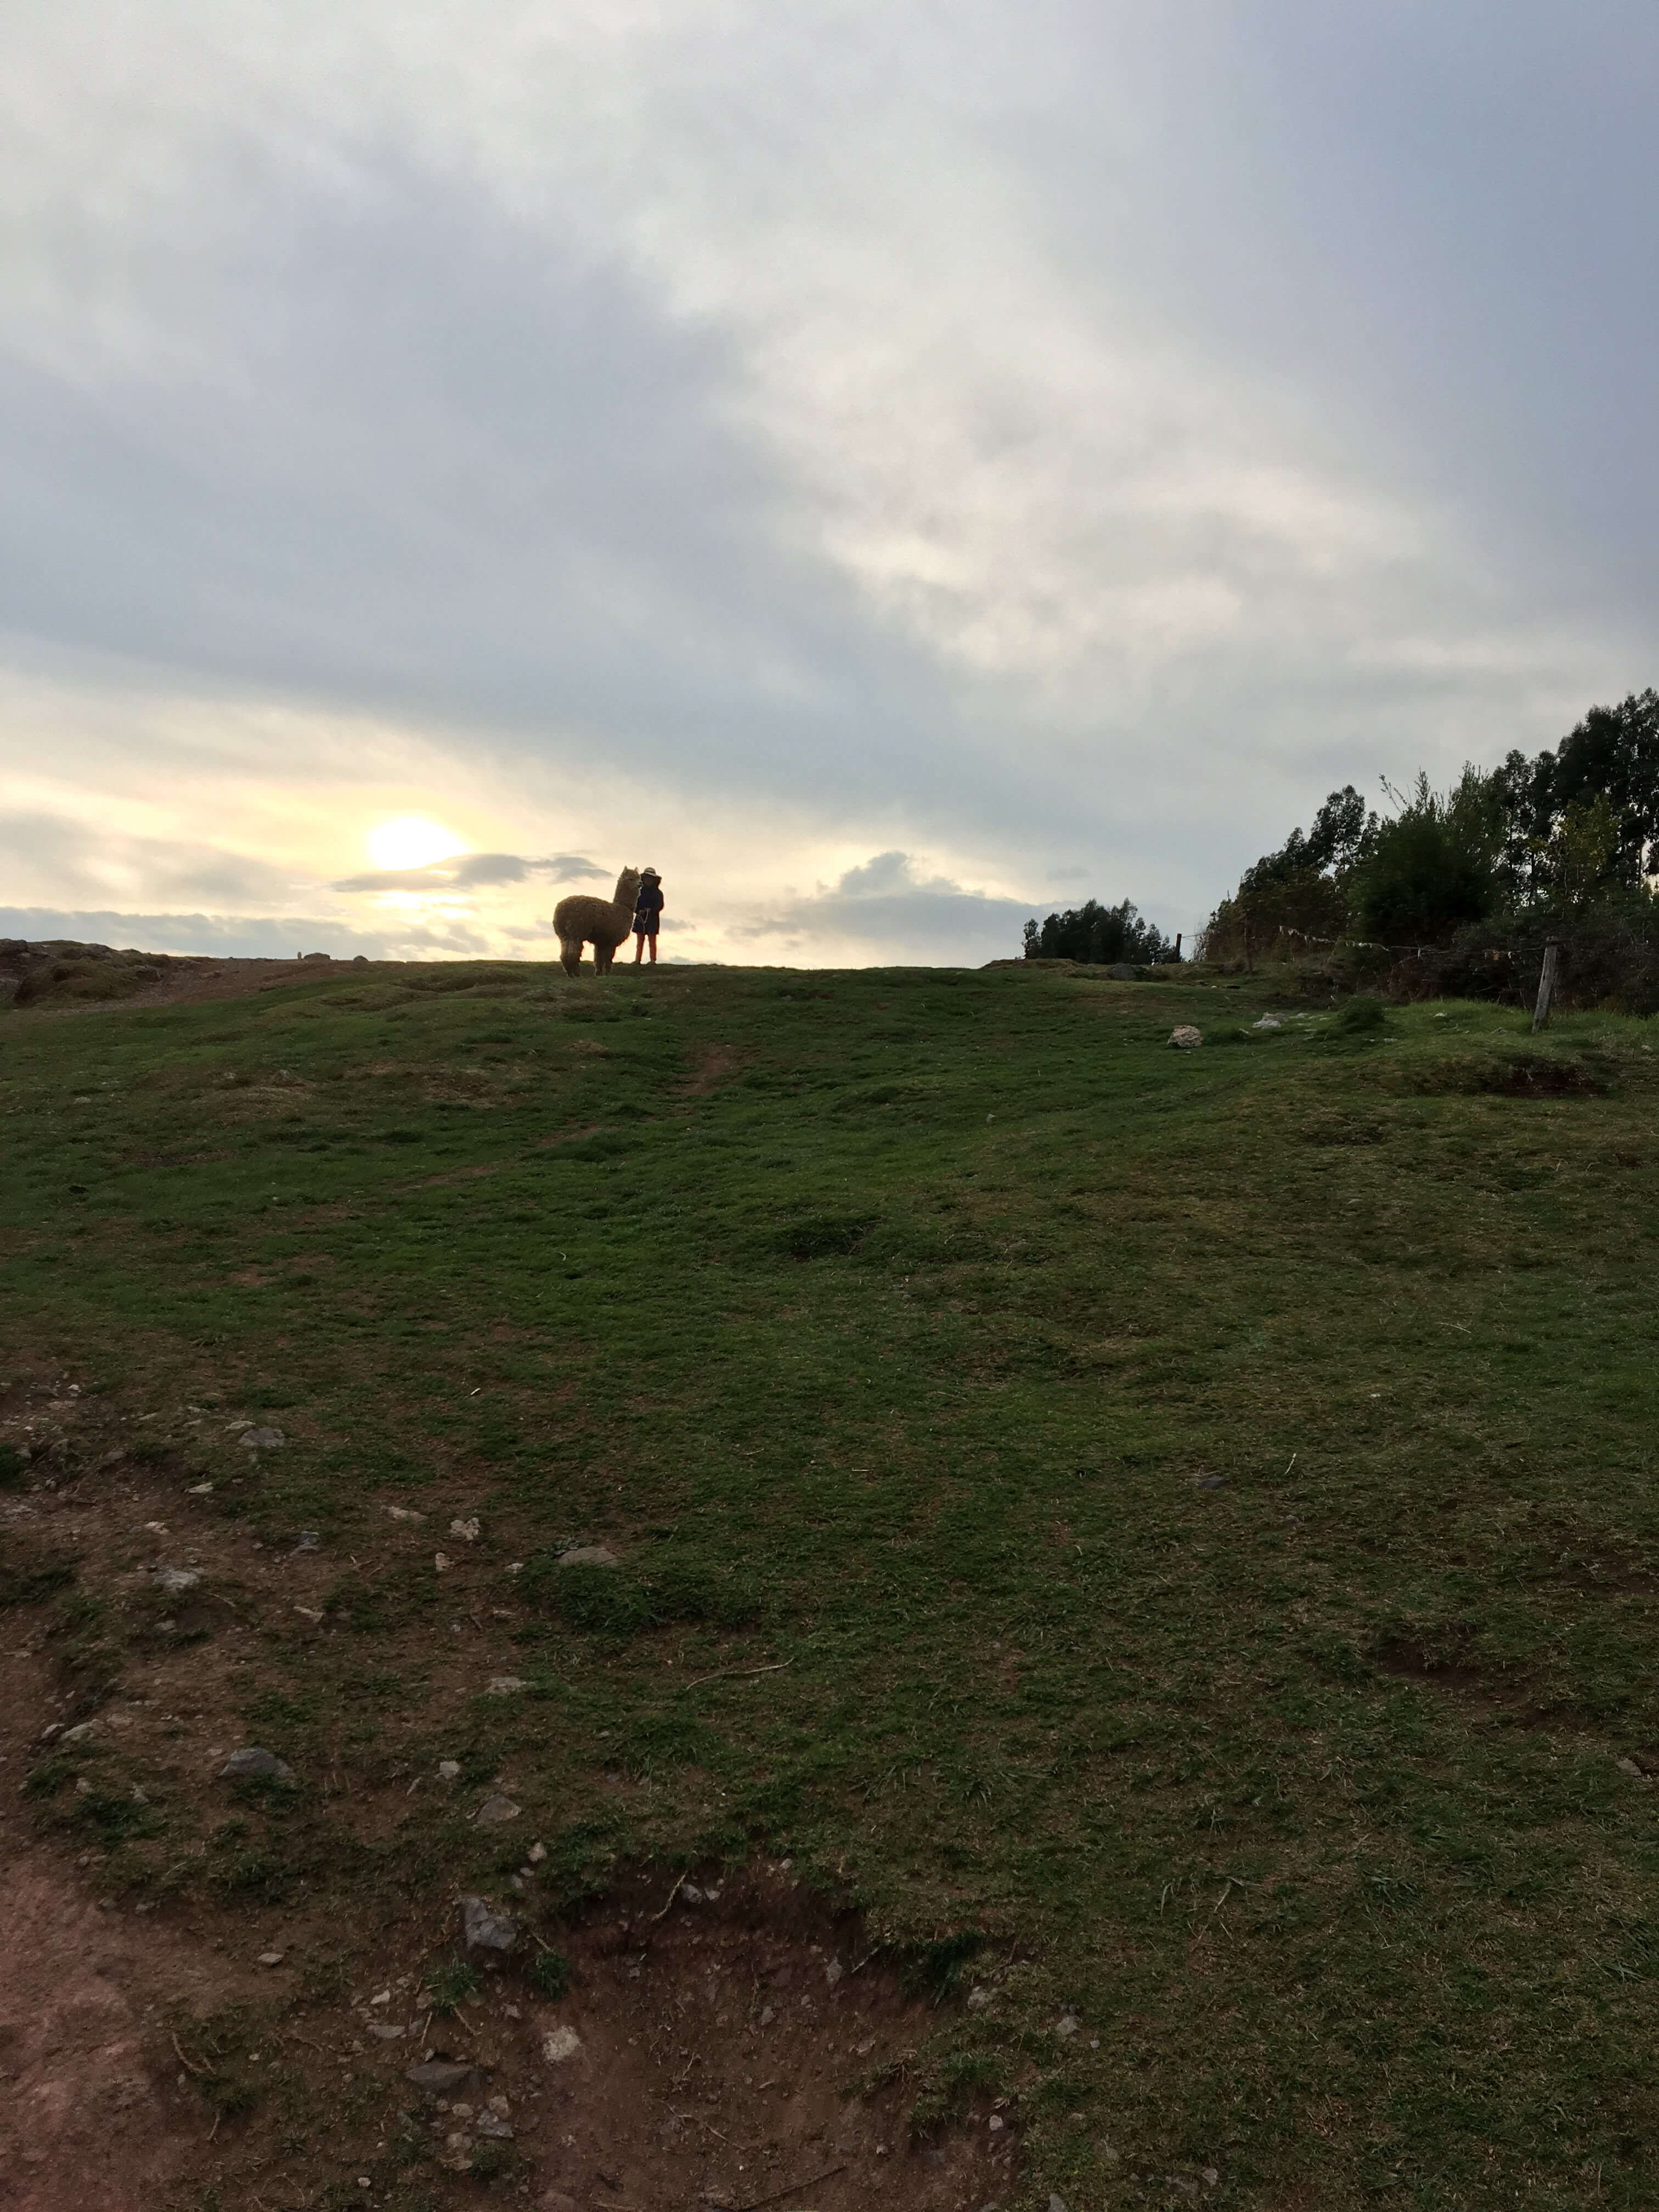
(1434,867)
(1610,958)
(1363,1016)
(1100,935)
(1296,896)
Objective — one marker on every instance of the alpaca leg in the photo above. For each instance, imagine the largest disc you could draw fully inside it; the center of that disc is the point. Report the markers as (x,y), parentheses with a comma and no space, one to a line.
(570,954)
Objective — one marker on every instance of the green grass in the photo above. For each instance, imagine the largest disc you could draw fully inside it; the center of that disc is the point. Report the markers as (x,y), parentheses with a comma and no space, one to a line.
(1195,1510)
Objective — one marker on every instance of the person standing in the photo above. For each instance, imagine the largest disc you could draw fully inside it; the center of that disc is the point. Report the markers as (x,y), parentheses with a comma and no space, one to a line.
(647,915)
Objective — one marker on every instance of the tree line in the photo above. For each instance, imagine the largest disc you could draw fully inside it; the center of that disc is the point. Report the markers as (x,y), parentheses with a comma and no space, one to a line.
(1571,832)
(1101,934)
(1566,841)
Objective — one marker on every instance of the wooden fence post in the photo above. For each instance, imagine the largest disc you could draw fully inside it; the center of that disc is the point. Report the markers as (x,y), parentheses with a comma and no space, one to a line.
(1540,1012)
(1178,935)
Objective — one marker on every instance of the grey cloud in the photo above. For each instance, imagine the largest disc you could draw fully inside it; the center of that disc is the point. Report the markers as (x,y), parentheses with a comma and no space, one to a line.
(468,870)
(570,429)
(91,863)
(884,902)
(570,868)
(467,473)
(242,936)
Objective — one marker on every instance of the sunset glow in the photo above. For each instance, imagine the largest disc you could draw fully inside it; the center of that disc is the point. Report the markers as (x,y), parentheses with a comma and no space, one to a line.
(412,841)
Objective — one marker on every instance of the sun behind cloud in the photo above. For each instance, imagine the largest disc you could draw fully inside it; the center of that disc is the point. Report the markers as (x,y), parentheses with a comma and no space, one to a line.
(411,840)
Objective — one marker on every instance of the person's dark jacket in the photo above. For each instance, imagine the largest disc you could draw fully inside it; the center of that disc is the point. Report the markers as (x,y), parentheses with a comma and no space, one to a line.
(647,907)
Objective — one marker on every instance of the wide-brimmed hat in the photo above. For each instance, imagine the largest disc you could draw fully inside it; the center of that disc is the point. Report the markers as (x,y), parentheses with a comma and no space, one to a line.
(651,873)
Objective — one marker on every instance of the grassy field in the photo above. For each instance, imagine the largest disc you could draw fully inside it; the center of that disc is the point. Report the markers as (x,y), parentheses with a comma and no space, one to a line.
(1194,1510)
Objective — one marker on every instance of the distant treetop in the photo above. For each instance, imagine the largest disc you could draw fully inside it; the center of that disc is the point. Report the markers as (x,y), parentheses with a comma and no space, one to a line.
(1099,934)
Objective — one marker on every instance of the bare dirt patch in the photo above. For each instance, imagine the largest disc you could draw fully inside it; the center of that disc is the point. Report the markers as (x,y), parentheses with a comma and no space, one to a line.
(713,1065)
(727,2044)
(92,2112)
(189,2003)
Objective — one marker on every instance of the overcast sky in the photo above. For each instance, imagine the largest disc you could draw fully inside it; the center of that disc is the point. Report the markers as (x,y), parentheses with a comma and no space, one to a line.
(896,465)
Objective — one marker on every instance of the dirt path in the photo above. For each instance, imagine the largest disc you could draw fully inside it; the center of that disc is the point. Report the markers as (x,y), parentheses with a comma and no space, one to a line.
(92,2113)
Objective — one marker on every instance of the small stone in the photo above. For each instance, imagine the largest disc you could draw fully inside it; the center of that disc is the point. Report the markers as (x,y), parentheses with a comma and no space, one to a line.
(1066,2027)
(496,1811)
(504,1686)
(832,1972)
(536,1854)
(270,1958)
(448,1768)
(1184,1036)
(1268,1022)
(441,1561)
(589,1555)
(380,1997)
(200,1490)
(492,2125)
(387,2030)
(1210,1482)
(486,1929)
(563,2043)
(404,1513)
(1056,2203)
(466,1530)
(1209,2175)
(439,2077)
(978,2000)
(1626,1765)
(254,1758)
(262,1439)
(174,1579)
(997,2123)
(310,1541)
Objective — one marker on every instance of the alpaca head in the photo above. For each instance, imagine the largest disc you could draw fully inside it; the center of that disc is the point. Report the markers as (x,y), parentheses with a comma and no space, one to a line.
(628,888)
